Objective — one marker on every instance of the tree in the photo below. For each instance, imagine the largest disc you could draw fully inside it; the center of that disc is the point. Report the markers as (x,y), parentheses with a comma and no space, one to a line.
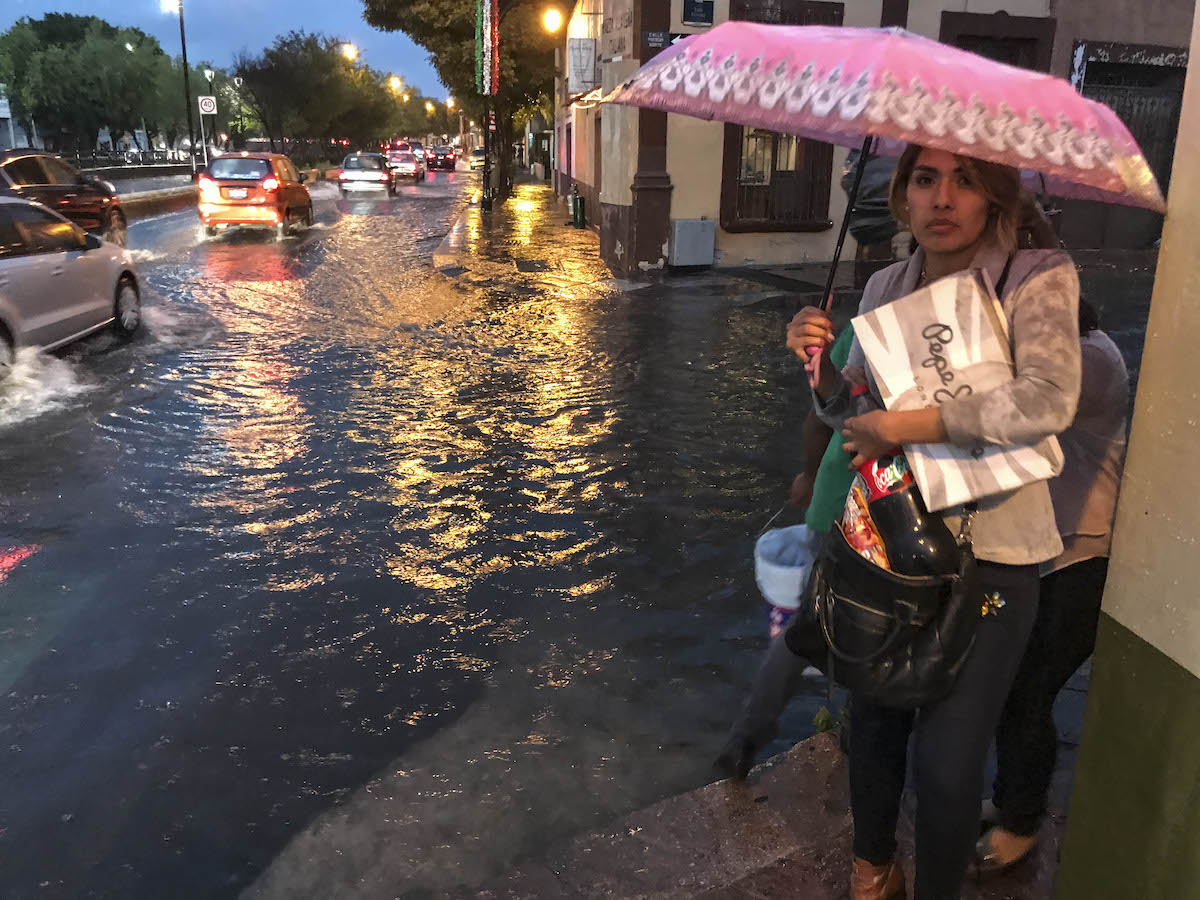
(74,75)
(446,28)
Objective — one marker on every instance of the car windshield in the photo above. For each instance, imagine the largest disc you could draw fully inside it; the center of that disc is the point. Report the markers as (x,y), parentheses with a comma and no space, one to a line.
(477,152)
(403,158)
(363,162)
(239,167)
(415,145)
(441,149)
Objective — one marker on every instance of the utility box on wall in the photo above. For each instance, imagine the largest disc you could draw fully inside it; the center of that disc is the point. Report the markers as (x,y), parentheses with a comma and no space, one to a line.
(693,242)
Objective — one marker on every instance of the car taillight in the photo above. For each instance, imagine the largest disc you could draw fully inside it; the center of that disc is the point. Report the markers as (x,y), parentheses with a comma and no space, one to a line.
(207,186)
(383,176)
(343,176)
(270,184)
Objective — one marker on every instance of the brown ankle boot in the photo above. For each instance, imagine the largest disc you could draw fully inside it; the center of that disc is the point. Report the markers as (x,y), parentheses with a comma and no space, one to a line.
(868,882)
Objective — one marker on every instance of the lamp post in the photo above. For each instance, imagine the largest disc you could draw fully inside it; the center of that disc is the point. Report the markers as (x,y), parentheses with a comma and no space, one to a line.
(171,6)
(349,51)
(552,21)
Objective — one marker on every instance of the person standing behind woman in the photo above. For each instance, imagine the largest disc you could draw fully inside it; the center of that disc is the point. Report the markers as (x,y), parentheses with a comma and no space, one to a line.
(1064,635)
(964,215)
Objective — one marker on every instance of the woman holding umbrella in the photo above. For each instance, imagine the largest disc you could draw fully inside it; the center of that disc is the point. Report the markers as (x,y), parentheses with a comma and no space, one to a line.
(969,128)
(964,214)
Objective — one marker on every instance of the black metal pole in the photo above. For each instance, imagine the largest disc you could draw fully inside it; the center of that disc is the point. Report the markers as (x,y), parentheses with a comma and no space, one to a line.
(486,201)
(864,154)
(187,93)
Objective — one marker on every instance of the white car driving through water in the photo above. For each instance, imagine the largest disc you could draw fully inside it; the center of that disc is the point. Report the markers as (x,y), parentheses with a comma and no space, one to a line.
(58,283)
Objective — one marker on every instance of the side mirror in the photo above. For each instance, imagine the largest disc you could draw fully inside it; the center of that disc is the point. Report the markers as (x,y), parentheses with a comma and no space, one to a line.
(91,242)
(303,177)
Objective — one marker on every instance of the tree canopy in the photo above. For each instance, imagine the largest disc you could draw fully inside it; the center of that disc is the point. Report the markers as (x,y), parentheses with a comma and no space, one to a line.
(74,75)
(303,85)
(446,28)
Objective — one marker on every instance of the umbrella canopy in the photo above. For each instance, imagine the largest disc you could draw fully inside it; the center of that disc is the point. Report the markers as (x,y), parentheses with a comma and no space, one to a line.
(841,85)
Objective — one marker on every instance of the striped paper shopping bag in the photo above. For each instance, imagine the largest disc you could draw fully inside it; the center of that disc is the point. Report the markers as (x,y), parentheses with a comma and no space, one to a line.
(947,340)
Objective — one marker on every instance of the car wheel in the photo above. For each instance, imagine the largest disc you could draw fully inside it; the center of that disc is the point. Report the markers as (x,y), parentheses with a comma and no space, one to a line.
(284,228)
(308,216)
(114,228)
(210,231)
(127,310)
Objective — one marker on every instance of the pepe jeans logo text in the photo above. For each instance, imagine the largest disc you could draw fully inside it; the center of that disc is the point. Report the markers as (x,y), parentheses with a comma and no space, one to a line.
(938,336)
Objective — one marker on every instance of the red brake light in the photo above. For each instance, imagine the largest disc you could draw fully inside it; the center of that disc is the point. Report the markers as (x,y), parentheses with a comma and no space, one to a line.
(383,176)
(270,184)
(343,176)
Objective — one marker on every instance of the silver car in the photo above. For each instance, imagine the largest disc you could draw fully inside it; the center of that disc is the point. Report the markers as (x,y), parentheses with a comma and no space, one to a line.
(367,172)
(58,283)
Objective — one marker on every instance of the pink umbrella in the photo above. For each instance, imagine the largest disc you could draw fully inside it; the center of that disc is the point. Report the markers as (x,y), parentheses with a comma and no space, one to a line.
(842,85)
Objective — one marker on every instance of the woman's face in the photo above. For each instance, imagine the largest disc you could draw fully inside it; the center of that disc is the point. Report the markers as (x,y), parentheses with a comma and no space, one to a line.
(947,209)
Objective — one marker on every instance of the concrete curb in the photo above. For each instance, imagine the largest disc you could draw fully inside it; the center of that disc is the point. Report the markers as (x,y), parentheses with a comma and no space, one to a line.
(149,203)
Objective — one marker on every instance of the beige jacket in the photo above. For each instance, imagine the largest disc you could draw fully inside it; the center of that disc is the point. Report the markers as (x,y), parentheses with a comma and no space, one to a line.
(1040,298)
(1085,494)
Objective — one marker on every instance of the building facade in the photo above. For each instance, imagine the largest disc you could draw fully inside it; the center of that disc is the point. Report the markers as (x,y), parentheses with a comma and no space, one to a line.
(649,178)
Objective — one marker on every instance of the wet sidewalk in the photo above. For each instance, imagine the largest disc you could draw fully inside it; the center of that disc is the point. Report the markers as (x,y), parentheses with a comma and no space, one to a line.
(527,245)
(786,832)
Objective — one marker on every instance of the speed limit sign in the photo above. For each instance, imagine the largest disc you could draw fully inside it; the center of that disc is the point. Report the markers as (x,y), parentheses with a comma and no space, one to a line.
(208,106)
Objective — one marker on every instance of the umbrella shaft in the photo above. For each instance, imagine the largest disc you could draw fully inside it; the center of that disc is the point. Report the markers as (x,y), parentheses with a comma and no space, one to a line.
(841,241)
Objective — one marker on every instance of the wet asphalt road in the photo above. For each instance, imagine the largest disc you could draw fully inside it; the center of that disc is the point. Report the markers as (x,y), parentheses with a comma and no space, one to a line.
(343,579)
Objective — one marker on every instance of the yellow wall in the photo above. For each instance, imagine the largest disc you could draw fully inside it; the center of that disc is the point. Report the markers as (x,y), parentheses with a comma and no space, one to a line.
(695,150)
(620,139)
(584,131)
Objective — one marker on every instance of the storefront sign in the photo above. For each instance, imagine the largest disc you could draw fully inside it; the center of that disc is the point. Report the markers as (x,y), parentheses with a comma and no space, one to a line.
(616,32)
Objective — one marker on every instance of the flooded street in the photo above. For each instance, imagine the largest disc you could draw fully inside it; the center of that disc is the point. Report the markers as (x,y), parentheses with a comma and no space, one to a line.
(347,579)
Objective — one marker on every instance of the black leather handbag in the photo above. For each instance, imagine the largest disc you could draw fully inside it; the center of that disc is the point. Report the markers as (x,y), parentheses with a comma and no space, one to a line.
(898,640)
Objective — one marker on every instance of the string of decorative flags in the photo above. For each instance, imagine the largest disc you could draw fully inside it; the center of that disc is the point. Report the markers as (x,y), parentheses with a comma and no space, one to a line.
(487,46)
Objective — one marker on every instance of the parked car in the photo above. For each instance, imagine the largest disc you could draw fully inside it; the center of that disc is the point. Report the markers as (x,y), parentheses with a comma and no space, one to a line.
(87,201)
(258,189)
(405,165)
(441,158)
(59,283)
(366,172)
(476,158)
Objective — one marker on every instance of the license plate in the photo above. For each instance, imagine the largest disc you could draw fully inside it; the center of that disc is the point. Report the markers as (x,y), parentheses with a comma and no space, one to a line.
(237,193)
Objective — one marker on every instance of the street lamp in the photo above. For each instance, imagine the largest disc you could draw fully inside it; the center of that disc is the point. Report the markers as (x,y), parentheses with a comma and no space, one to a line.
(405,98)
(449,103)
(176,6)
(129,46)
(395,82)
(429,107)
(349,51)
(552,20)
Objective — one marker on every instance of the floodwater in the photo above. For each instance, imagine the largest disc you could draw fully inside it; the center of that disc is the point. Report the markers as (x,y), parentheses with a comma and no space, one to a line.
(343,579)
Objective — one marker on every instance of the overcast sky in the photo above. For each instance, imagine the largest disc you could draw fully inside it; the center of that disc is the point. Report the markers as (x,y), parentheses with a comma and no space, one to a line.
(217,29)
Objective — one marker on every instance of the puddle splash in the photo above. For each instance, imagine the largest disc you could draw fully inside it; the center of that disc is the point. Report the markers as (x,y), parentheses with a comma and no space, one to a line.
(38,384)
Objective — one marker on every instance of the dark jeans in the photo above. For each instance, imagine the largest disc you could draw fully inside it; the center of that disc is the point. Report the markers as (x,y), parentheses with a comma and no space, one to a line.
(952,737)
(1064,636)
(776,682)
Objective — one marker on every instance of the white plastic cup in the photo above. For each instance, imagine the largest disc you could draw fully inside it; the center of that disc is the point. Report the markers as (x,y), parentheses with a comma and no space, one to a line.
(782,558)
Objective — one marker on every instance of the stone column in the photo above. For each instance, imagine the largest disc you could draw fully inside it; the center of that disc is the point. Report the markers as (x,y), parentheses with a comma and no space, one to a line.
(651,213)
(1134,827)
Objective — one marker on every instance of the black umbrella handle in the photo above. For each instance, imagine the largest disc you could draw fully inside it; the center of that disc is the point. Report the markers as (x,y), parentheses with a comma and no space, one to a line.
(864,155)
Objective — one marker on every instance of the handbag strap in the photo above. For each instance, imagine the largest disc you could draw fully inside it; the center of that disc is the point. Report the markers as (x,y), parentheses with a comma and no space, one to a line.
(1003,280)
(825,613)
